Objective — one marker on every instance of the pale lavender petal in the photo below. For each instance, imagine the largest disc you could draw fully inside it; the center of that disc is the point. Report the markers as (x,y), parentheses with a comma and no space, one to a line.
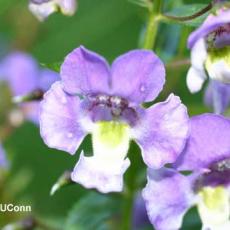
(217,96)
(168,195)
(85,72)
(208,142)
(163,132)
(21,72)
(94,172)
(3,161)
(60,120)
(47,78)
(138,75)
(210,24)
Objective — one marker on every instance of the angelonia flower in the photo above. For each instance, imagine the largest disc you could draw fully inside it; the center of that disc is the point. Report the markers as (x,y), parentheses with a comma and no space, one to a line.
(43,8)
(3,161)
(217,96)
(94,98)
(169,194)
(23,76)
(210,51)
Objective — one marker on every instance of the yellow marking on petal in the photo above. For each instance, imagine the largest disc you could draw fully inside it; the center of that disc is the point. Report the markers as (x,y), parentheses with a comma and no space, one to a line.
(216,55)
(111,139)
(214,207)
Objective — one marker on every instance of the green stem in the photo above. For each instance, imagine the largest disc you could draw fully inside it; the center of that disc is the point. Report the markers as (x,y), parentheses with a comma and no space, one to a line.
(152,25)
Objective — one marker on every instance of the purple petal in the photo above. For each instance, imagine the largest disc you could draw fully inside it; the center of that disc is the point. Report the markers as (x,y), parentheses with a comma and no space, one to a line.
(21,72)
(85,72)
(208,142)
(138,75)
(3,161)
(210,24)
(217,96)
(59,120)
(31,111)
(47,78)
(140,218)
(98,173)
(168,195)
(163,132)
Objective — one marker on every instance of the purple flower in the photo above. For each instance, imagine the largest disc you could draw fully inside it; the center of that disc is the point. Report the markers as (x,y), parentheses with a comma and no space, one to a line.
(217,96)
(210,51)
(169,194)
(3,161)
(109,108)
(43,8)
(21,72)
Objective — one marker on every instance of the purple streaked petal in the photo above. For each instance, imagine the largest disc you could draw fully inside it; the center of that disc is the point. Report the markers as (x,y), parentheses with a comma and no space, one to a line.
(47,78)
(168,195)
(163,132)
(209,25)
(138,76)
(21,72)
(101,174)
(59,120)
(217,96)
(85,72)
(208,142)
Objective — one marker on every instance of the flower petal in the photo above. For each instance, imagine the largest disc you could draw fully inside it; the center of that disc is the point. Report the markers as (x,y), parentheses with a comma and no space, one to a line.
(3,161)
(209,25)
(60,120)
(217,96)
(21,72)
(47,78)
(208,142)
(42,9)
(195,79)
(99,173)
(68,7)
(138,75)
(163,132)
(168,195)
(85,72)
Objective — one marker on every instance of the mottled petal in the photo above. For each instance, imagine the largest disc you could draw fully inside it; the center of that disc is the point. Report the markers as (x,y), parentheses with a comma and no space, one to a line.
(168,195)
(138,75)
(21,72)
(210,24)
(47,78)
(60,120)
(217,96)
(208,142)
(99,173)
(85,72)
(163,132)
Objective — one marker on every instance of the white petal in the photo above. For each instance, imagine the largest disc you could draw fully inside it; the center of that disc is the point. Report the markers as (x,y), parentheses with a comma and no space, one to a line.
(105,175)
(195,79)
(214,207)
(199,55)
(219,71)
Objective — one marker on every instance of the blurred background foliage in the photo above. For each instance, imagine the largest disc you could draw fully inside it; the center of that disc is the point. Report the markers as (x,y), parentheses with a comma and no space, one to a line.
(109,27)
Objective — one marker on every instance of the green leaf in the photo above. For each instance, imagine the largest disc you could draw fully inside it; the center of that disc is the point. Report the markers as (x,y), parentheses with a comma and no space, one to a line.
(94,211)
(188,10)
(52,66)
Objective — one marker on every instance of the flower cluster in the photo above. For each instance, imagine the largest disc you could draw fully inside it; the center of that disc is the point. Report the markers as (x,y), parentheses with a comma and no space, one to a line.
(210,54)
